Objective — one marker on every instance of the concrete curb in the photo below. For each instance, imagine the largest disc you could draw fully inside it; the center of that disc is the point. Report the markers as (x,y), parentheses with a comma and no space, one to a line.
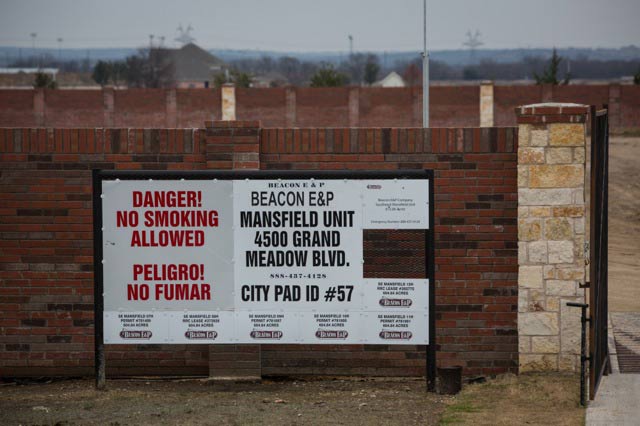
(613,351)
(617,399)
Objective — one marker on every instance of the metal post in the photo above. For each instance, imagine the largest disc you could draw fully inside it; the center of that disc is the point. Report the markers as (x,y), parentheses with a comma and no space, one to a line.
(98,285)
(583,350)
(431,275)
(425,73)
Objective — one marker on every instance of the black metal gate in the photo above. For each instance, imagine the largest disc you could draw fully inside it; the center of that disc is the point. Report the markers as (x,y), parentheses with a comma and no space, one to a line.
(599,362)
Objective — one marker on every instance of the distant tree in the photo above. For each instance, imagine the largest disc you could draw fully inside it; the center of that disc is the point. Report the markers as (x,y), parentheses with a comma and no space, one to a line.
(219,79)
(550,73)
(102,73)
(160,68)
(239,78)
(327,76)
(371,70)
(44,81)
(355,67)
(135,71)
(291,69)
(412,74)
(151,68)
(470,73)
(118,72)
(636,77)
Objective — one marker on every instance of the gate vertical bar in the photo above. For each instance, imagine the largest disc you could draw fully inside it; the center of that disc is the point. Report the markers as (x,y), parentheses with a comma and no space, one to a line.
(593,247)
(598,271)
(98,285)
(605,242)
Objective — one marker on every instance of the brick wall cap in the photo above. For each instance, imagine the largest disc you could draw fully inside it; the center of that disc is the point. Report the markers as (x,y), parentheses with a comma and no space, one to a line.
(233,124)
(552,108)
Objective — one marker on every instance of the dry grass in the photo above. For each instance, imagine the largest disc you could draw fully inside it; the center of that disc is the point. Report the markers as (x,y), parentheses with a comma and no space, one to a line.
(533,399)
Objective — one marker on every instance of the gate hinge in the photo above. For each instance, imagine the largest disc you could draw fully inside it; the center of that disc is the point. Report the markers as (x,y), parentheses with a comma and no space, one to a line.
(585,285)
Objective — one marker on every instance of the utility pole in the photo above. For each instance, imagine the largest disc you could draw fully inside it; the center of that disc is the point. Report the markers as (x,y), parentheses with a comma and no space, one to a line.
(350,45)
(425,73)
(473,42)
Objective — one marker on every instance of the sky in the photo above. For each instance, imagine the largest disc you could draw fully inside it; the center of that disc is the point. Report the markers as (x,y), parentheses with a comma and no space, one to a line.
(321,25)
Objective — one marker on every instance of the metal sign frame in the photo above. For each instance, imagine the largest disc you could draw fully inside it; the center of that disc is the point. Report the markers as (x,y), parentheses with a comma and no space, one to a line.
(101,175)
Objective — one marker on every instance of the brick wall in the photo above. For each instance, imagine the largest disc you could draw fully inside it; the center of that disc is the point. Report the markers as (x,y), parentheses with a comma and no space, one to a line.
(267,105)
(46,286)
(73,106)
(46,259)
(629,112)
(476,233)
(451,106)
(196,106)
(506,98)
(17,108)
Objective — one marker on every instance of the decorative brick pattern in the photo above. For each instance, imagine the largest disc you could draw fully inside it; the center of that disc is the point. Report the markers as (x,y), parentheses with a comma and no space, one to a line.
(551,216)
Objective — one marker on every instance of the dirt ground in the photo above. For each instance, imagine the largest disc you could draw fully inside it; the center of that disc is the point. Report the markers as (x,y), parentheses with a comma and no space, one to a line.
(537,399)
(195,402)
(624,225)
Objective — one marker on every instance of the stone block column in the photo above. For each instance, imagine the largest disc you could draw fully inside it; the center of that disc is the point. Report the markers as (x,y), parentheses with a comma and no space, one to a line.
(228,98)
(551,234)
(486,104)
(233,145)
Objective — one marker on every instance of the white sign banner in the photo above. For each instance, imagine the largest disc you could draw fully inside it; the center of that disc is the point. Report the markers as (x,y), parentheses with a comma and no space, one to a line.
(257,261)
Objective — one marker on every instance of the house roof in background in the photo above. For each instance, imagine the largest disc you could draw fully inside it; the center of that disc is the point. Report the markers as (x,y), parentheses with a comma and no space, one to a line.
(193,63)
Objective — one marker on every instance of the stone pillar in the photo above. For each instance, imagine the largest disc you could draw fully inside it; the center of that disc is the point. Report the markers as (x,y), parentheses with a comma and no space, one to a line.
(39,107)
(354,107)
(290,107)
(233,145)
(228,102)
(108,101)
(551,234)
(486,104)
